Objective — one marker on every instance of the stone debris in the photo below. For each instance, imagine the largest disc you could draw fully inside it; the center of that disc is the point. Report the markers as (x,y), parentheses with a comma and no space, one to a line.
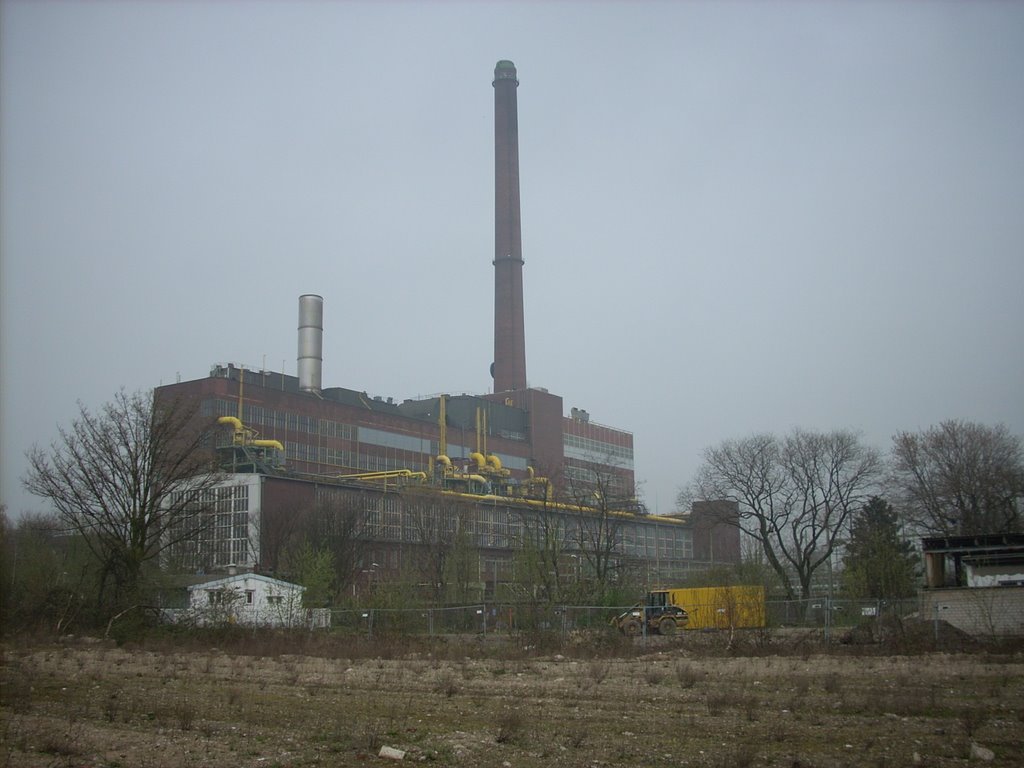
(979,752)
(390,753)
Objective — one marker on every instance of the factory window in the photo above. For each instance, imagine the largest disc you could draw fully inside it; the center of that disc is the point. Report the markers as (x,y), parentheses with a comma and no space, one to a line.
(597,451)
(393,440)
(249,596)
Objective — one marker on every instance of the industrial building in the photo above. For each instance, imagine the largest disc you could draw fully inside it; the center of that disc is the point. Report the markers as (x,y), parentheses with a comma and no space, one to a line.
(497,462)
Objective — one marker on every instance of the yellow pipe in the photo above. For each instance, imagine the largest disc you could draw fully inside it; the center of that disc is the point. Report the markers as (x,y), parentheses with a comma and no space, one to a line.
(494,462)
(481,462)
(384,475)
(514,500)
(244,436)
(241,389)
(236,423)
(442,434)
(267,444)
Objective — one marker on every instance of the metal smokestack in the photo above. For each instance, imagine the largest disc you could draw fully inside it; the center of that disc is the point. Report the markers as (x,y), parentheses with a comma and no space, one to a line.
(509,367)
(311,342)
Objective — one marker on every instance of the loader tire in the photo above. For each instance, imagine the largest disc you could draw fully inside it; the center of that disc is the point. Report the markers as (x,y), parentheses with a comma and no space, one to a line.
(667,626)
(631,628)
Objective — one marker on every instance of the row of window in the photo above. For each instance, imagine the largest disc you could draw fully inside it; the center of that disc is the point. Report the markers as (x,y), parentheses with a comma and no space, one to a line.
(255,416)
(501,528)
(415,447)
(597,451)
(584,475)
(228,539)
(219,535)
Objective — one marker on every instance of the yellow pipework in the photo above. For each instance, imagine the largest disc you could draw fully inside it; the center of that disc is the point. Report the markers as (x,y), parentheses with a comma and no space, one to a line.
(267,444)
(244,436)
(407,473)
(236,423)
(442,431)
(477,457)
(241,389)
(548,505)
(494,462)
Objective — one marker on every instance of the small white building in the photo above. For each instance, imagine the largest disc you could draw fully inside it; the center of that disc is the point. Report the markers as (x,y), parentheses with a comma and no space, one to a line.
(250,599)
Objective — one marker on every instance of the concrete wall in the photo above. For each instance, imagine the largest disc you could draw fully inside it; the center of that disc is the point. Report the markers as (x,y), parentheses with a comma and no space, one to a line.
(980,611)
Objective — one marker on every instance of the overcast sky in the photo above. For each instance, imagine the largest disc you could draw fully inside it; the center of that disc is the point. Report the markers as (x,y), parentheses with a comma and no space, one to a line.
(737,217)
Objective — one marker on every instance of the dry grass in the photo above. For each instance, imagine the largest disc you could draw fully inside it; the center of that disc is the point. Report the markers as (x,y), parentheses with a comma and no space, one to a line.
(329,701)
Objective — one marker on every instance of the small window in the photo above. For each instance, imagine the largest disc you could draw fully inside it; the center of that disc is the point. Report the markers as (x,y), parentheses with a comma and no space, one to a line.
(249,596)
(274,599)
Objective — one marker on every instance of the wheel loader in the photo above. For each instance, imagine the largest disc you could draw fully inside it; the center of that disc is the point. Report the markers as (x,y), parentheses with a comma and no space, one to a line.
(661,616)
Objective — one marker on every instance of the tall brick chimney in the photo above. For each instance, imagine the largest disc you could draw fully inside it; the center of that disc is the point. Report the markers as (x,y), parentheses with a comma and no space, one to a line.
(509,366)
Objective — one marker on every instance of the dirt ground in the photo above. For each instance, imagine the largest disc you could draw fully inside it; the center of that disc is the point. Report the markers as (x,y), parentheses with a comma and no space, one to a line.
(502,702)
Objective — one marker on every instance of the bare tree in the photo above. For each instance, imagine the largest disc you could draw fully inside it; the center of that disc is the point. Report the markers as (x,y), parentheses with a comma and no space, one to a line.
(282,530)
(50,574)
(432,525)
(600,505)
(960,478)
(795,495)
(128,479)
(336,524)
(541,552)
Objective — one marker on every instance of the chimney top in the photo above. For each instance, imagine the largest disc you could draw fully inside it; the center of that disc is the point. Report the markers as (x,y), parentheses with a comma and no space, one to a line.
(505,70)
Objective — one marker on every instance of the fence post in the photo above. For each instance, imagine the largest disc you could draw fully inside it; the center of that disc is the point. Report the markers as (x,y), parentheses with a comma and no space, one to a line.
(828,616)
(369,624)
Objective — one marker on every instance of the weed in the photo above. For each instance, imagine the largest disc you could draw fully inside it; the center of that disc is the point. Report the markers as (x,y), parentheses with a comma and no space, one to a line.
(510,726)
(446,684)
(17,691)
(233,696)
(598,670)
(716,703)
(184,713)
(972,719)
(687,675)
(752,708)
(112,705)
(60,744)
(741,755)
(831,683)
(576,735)
(371,737)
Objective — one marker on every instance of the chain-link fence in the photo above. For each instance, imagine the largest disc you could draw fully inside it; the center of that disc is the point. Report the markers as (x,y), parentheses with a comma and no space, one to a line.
(824,613)
(462,619)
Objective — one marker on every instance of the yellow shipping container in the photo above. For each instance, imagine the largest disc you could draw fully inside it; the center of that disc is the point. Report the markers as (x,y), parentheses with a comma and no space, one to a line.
(719,607)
